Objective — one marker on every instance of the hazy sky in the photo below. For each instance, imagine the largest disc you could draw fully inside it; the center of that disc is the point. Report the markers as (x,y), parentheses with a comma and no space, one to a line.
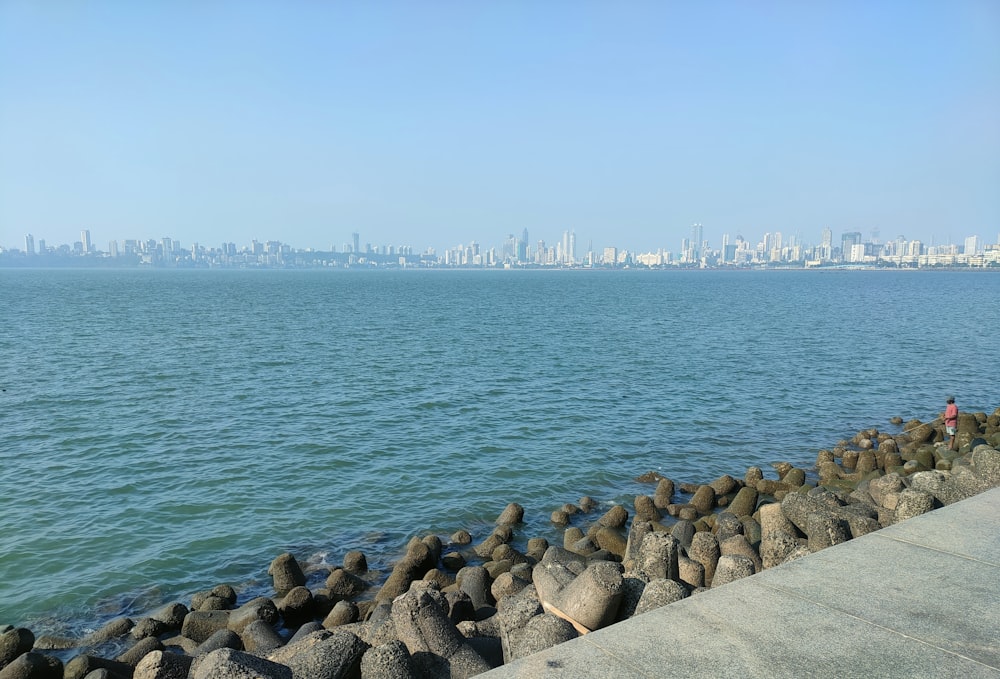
(433,124)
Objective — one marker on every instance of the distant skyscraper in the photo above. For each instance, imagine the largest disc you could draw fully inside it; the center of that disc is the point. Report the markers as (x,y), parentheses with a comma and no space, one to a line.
(697,235)
(85,239)
(356,239)
(568,255)
(29,244)
(847,242)
(973,246)
(827,246)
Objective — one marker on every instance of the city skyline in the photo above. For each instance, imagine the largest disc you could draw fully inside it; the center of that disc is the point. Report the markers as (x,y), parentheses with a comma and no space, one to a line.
(441,123)
(773,248)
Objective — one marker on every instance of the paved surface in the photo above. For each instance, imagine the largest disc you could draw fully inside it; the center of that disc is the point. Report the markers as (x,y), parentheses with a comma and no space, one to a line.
(918,599)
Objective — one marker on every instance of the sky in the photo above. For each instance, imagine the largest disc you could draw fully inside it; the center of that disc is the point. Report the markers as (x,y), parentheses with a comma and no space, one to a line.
(434,124)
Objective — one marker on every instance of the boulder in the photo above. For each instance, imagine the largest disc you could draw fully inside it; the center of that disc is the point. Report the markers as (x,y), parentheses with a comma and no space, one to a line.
(230,663)
(512,514)
(32,665)
(387,661)
(13,643)
(660,592)
(286,574)
(705,550)
(434,643)
(331,655)
(732,567)
(163,665)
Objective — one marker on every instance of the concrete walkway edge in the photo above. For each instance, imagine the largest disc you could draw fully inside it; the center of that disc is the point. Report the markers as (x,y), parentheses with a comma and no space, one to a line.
(917,599)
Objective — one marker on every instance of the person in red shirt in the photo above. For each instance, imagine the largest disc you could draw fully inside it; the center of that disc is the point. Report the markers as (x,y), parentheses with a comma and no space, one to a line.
(951,421)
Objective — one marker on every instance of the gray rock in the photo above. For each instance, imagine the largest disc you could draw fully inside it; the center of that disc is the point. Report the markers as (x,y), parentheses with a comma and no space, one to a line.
(705,550)
(297,606)
(658,556)
(222,638)
(738,544)
(13,643)
(417,561)
(825,530)
(172,614)
(664,493)
(227,663)
(84,664)
(660,592)
(435,644)
(355,562)
(592,598)
(683,531)
(286,574)
(139,650)
(200,625)
(343,613)
(539,633)
(775,548)
(162,665)
(262,608)
(690,572)
(703,499)
(33,665)
(511,619)
(476,582)
(331,655)
(745,502)
(260,638)
(512,514)
(913,503)
(388,661)
(727,525)
(732,567)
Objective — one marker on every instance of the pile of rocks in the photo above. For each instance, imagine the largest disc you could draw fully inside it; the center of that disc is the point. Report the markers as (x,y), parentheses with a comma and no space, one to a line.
(462,610)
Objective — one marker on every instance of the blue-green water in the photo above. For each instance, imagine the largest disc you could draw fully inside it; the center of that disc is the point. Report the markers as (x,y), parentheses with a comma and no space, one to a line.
(166,431)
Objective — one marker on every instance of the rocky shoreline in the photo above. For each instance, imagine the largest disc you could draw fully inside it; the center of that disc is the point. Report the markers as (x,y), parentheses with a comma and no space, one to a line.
(456,608)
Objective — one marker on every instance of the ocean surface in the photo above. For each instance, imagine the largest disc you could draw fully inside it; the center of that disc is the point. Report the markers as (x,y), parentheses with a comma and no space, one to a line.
(162,432)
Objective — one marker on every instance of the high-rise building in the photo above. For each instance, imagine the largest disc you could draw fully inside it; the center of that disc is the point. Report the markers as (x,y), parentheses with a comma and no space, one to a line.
(85,239)
(847,242)
(356,240)
(568,248)
(826,249)
(697,233)
(973,246)
(29,244)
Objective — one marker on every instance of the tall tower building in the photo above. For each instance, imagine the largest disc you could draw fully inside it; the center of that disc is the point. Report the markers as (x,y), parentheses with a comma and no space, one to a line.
(85,239)
(568,248)
(356,239)
(29,244)
(827,247)
(973,246)
(697,236)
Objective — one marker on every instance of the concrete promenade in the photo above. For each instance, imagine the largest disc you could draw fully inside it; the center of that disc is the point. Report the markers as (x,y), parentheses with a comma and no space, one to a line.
(917,599)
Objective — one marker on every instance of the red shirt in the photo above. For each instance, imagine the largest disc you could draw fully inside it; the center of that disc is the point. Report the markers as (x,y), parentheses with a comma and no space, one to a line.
(951,415)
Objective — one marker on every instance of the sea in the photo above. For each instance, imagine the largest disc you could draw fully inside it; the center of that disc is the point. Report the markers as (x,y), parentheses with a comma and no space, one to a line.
(162,432)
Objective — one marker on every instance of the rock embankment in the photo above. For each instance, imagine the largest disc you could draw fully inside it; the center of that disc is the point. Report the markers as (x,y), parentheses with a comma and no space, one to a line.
(460,609)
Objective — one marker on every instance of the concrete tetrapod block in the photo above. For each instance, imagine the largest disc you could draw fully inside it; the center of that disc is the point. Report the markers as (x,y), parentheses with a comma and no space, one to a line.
(660,593)
(33,665)
(161,665)
(591,600)
(13,643)
(658,556)
(227,662)
(286,574)
(435,644)
(332,655)
(388,661)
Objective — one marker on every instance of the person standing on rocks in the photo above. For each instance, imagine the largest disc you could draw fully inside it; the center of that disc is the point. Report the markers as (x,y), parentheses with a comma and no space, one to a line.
(951,421)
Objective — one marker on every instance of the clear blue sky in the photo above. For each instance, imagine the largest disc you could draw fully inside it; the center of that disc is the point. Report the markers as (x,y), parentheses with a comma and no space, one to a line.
(438,123)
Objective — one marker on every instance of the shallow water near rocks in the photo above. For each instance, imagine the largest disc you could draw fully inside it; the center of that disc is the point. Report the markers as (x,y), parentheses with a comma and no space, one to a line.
(166,431)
